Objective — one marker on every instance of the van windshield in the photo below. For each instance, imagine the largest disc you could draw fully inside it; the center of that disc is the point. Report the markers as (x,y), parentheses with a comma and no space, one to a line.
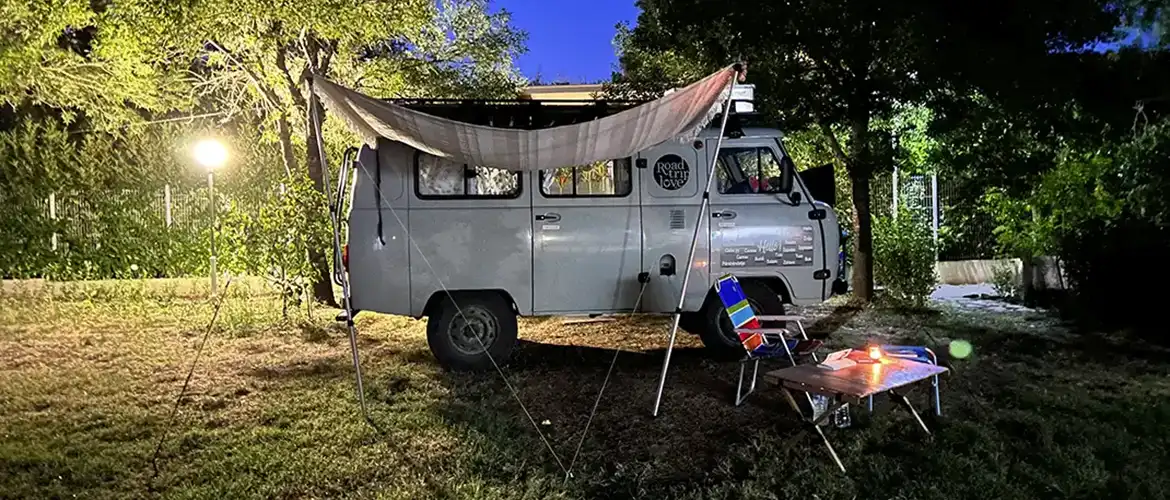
(747,170)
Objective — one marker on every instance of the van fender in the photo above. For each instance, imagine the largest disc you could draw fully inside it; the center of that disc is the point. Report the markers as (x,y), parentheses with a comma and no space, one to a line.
(777,283)
(438,295)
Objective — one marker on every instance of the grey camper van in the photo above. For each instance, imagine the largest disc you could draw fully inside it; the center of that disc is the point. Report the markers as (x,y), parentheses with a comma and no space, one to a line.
(472,248)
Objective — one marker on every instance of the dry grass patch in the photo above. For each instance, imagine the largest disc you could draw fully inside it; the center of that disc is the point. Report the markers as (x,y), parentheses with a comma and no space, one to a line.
(88,382)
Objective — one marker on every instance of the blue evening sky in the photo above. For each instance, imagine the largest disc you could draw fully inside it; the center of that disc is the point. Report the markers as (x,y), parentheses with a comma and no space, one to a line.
(568,40)
(572,40)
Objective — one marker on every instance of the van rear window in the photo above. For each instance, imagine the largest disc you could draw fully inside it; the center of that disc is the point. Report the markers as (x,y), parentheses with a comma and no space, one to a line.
(437,177)
(603,178)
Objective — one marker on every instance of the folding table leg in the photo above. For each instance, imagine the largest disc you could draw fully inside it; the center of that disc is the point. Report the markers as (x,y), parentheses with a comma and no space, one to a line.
(937,401)
(815,423)
(901,398)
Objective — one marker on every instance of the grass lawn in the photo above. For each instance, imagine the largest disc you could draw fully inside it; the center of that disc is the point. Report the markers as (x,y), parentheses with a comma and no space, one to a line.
(88,381)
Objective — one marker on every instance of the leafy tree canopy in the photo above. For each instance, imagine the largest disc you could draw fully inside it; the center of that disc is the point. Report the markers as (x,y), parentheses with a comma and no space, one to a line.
(842,65)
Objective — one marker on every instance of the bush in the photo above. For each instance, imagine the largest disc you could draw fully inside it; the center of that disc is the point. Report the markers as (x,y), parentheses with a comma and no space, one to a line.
(1104,213)
(1005,282)
(904,256)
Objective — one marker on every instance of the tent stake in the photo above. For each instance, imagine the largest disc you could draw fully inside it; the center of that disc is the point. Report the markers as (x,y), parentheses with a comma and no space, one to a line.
(695,238)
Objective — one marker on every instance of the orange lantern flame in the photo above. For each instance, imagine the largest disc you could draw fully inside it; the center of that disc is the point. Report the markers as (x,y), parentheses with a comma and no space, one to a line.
(875,353)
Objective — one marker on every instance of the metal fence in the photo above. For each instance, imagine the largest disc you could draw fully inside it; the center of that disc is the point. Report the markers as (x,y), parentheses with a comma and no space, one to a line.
(87,217)
(103,234)
(961,228)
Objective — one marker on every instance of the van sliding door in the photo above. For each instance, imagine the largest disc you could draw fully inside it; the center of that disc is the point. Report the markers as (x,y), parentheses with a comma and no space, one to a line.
(587,245)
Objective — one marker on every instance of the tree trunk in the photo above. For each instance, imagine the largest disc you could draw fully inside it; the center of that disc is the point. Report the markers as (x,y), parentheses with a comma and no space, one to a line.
(323,284)
(860,171)
(286,146)
(1028,280)
(862,236)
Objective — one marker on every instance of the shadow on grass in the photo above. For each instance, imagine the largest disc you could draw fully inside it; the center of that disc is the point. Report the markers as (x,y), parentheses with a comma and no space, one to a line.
(824,327)
(324,370)
(627,451)
(701,443)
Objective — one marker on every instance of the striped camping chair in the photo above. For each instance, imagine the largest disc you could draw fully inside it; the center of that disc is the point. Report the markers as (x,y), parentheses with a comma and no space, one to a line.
(758,342)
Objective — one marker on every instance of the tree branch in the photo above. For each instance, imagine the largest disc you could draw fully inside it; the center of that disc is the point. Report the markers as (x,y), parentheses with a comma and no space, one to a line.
(833,143)
(264,90)
(293,88)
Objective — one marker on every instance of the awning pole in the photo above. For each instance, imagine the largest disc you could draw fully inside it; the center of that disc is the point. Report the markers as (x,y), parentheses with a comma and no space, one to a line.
(695,238)
(315,122)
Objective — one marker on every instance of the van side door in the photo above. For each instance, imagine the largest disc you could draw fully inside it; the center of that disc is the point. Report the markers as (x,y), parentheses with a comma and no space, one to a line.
(587,241)
(757,230)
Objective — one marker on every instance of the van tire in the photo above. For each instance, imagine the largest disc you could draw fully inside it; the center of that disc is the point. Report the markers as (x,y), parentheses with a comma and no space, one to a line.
(693,321)
(717,334)
(489,314)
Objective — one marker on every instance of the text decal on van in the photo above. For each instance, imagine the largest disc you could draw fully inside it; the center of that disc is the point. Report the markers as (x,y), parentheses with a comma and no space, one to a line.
(671,172)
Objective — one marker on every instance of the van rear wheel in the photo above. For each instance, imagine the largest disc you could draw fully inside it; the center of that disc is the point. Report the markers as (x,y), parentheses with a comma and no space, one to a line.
(463,332)
(718,335)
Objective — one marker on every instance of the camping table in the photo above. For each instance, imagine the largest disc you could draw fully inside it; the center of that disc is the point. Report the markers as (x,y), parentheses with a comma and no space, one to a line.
(851,385)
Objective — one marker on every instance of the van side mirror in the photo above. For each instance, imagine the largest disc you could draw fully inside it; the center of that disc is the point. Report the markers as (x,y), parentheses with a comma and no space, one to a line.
(794,197)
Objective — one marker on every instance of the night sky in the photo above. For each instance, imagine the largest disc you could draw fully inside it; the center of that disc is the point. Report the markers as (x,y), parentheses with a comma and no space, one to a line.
(568,40)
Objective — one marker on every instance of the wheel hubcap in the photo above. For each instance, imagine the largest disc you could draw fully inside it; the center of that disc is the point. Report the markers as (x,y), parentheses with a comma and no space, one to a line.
(473,331)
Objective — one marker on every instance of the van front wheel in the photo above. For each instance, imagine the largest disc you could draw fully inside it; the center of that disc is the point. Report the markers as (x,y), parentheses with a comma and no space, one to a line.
(719,336)
(467,333)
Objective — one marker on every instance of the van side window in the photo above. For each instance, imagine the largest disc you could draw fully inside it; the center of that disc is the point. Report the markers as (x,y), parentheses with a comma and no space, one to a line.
(751,170)
(437,177)
(603,178)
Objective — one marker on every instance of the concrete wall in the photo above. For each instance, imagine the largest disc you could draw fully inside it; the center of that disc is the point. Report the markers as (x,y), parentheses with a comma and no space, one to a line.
(1048,273)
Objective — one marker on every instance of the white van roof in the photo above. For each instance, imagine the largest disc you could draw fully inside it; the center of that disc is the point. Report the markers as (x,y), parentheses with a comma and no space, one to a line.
(748,132)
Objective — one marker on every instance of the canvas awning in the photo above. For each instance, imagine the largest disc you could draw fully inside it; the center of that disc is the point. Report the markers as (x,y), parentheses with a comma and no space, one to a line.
(680,115)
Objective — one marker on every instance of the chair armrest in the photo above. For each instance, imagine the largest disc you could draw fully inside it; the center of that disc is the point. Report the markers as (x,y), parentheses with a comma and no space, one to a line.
(780,318)
(764,331)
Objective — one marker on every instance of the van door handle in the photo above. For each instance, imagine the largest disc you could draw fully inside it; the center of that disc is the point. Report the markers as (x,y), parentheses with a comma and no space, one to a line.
(549,217)
(724,214)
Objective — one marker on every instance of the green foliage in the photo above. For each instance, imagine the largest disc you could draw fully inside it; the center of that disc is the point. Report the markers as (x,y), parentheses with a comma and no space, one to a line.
(1104,214)
(110,207)
(1065,197)
(269,238)
(1111,225)
(904,256)
(96,87)
(106,60)
(1006,281)
(846,68)
(648,72)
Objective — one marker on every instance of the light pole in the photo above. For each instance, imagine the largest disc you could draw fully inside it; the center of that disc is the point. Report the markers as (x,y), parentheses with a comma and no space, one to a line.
(212,155)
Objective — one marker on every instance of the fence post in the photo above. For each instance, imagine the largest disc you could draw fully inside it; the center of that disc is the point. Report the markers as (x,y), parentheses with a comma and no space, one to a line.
(894,190)
(934,209)
(167,202)
(53,217)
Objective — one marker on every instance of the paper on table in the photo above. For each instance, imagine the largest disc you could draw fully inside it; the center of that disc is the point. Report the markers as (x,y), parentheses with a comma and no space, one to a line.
(837,360)
(838,355)
(837,364)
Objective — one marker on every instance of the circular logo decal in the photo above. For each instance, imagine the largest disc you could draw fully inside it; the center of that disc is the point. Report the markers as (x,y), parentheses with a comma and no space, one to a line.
(671,172)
